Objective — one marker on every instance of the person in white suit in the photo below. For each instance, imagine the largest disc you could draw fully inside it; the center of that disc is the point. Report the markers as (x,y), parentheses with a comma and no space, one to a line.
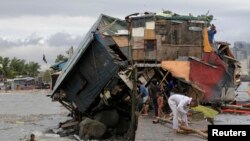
(179,105)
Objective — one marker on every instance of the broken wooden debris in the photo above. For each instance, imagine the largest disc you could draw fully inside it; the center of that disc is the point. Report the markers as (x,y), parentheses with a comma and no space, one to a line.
(187,129)
(69,124)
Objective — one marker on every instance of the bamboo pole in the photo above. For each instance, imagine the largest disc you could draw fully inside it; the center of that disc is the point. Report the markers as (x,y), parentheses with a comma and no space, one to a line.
(187,129)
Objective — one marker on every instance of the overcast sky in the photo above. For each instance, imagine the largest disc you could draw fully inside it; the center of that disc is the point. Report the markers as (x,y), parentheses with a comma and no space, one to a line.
(31,28)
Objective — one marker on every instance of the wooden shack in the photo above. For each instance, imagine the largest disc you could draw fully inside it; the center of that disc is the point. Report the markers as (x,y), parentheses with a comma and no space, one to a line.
(156,37)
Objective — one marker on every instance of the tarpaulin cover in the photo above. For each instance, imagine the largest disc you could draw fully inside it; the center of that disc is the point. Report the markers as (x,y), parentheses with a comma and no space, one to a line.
(177,68)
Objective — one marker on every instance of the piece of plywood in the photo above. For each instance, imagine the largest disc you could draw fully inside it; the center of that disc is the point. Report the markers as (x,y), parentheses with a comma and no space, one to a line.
(149,34)
(142,55)
(138,32)
(121,41)
(138,54)
(138,43)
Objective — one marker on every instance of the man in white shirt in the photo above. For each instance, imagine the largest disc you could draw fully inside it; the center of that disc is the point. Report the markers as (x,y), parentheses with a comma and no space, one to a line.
(179,105)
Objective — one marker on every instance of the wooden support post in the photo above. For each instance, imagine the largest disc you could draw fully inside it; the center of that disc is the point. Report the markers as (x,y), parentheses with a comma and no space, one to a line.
(164,78)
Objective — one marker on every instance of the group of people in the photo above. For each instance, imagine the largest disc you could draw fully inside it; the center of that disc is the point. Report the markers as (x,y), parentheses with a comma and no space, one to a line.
(152,94)
(178,103)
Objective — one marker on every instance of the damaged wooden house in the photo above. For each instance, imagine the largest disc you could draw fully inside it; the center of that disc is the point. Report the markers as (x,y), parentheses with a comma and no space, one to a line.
(97,84)
(179,44)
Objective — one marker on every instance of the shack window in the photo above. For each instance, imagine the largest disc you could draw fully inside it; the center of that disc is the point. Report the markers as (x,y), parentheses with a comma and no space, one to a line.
(150,44)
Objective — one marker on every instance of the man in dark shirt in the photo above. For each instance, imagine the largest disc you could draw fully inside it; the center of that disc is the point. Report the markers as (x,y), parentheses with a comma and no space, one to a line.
(154,89)
(211,32)
(144,95)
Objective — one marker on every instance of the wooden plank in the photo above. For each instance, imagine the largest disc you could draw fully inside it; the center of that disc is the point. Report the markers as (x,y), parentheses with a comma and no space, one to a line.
(149,34)
(228,57)
(70,124)
(121,41)
(198,60)
(182,45)
(138,43)
(164,78)
(147,65)
(137,54)
(204,135)
(223,48)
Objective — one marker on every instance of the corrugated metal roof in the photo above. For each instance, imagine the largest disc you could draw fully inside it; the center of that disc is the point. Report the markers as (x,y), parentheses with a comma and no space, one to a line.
(70,64)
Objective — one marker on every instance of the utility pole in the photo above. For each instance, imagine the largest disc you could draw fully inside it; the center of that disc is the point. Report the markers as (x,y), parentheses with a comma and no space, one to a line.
(134,80)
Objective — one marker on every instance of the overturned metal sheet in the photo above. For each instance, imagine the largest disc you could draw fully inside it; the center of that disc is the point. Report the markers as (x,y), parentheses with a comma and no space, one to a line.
(92,65)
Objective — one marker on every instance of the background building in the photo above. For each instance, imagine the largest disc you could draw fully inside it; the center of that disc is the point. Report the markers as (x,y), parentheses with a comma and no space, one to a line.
(242,53)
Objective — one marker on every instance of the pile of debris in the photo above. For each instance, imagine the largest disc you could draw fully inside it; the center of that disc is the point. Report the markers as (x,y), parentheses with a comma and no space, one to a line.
(98,83)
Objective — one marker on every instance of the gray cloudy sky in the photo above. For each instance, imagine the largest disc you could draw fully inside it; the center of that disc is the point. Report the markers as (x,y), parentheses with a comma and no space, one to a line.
(30,28)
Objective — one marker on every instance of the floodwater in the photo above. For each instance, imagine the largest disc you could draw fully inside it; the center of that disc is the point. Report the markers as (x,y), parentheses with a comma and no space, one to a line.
(26,112)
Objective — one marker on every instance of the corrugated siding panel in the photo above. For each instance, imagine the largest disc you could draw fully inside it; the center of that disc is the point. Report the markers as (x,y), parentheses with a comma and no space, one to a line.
(210,79)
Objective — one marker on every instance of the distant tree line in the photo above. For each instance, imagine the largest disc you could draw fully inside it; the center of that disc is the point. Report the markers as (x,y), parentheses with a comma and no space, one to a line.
(60,57)
(10,68)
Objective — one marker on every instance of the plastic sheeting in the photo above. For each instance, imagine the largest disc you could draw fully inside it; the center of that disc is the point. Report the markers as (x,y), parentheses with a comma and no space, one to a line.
(208,112)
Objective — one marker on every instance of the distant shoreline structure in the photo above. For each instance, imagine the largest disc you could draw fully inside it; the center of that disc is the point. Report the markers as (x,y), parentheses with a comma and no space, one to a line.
(24,91)
(245,78)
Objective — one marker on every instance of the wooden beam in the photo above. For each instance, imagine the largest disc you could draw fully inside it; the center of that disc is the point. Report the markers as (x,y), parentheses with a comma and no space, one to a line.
(164,78)
(148,65)
(189,129)
(198,60)
(69,124)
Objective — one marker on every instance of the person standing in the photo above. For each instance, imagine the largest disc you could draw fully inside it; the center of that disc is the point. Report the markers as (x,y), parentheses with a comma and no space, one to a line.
(160,103)
(153,92)
(179,105)
(144,95)
(211,32)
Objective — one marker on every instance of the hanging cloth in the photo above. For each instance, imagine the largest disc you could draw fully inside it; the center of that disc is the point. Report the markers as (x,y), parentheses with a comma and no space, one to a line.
(207,46)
